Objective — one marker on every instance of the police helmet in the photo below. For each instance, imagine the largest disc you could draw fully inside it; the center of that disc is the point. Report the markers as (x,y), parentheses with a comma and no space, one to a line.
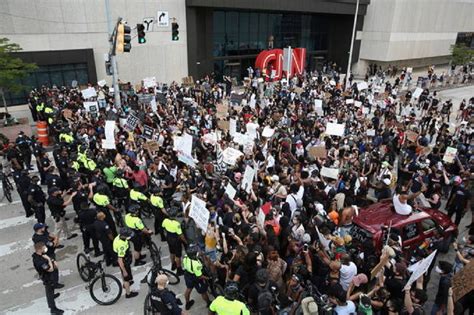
(262,276)
(155,190)
(231,290)
(192,251)
(126,232)
(133,209)
(172,212)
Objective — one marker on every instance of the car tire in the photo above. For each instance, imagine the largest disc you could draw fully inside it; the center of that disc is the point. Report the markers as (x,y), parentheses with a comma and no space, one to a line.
(444,248)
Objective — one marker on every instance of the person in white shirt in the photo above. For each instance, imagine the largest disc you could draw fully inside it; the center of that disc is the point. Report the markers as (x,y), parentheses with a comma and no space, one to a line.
(400,201)
(347,272)
(295,198)
(337,296)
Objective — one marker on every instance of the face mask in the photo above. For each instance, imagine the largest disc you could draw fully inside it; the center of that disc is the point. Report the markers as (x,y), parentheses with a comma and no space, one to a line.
(45,250)
(128,238)
(438,270)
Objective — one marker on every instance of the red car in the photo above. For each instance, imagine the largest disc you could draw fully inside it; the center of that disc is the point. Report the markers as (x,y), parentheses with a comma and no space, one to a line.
(373,222)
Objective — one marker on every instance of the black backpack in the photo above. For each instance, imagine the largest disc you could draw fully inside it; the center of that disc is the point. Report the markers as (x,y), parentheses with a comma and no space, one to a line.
(264,298)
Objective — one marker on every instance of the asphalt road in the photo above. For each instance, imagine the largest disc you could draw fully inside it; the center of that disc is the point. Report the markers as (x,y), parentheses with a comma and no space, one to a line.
(23,293)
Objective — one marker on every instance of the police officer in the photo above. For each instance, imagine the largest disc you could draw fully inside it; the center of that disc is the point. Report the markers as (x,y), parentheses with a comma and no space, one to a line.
(121,247)
(160,213)
(23,183)
(83,194)
(102,202)
(57,205)
(104,234)
(62,165)
(228,304)
(50,240)
(87,218)
(37,198)
(164,300)
(133,221)
(53,179)
(174,238)
(23,143)
(48,271)
(136,194)
(120,189)
(193,276)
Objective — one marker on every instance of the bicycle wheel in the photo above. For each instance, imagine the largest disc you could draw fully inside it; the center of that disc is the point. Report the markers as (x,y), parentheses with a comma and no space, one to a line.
(83,263)
(154,253)
(172,277)
(8,184)
(148,307)
(7,193)
(105,289)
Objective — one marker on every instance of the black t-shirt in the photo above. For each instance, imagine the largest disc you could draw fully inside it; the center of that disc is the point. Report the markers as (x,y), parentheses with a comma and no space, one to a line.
(37,193)
(41,265)
(254,291)
(395,287)
(56,206)
(87,217)
(101,229)
(81,196)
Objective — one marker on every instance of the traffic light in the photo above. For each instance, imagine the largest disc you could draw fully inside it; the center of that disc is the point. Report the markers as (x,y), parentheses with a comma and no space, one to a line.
(174,31)
(141,33)
(123,38)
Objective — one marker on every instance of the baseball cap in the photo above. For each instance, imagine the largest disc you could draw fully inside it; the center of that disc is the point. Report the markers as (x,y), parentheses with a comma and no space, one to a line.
(275,178)
(38,226)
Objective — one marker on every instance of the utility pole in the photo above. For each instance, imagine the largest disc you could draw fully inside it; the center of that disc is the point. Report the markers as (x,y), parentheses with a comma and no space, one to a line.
(112,56)
(352,45)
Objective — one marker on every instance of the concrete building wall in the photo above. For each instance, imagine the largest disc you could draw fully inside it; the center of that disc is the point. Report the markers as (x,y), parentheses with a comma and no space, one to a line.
(397,31)
(45,25)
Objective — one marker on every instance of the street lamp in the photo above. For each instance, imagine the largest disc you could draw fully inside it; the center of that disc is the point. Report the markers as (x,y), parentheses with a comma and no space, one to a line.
(352,45)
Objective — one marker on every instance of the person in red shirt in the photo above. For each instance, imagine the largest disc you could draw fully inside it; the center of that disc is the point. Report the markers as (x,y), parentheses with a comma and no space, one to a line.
(139,176)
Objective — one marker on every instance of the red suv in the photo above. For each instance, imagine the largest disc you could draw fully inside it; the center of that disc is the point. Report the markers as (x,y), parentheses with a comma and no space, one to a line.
(373,222)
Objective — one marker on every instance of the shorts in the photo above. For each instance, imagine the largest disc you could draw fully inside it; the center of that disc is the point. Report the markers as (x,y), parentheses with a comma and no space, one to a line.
(212,254)
(192,282)
(175,246)
(129,271)
(137,241)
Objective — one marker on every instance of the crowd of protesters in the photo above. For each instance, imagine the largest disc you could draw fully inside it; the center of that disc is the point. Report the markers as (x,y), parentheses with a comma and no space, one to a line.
(392,148)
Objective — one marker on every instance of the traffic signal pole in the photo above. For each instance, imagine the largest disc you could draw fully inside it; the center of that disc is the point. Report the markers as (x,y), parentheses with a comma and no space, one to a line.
(112,57)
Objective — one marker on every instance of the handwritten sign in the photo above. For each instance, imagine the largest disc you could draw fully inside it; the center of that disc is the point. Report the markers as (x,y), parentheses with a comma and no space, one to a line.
(318,107)
(420,269)
(223,124)
(148,132)
(248,178)
(318,152)
(199,213)
(362,86)
(222,110)
(335,129)
(230,191)
(450,155)
(411,136)
(132,122)
(463,281)
(231,156)
(330,172)
(89,93)
(417,93)
(268,132)
(232,127)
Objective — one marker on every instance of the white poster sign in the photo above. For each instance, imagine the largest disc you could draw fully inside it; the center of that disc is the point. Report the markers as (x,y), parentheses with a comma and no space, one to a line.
(330,172)
(231,156)
(230,191)
(325,242)
(232,127)
(335,129)
(199,212)
(108,144)
(91,106)
(420,269)
(184,148)
(371,132)
(110,130)
(248,178)
(252,130)
(357,104)
(261,218)
(350,101)
(88,93)
(268,132)
(362,86)
(318,107)
(101,83)
(149,82)
(417,93)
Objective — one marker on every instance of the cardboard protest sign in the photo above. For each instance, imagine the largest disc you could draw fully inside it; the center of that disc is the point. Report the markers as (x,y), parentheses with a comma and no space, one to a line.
(463,281)
(362,86)
(148,132)
(318,152)
(248,177)
(411,136)
(330,172)
(420,269)
(268,132)
(223,124)
(132,122)
(222,110)
(450,155)
(199,213)
(231,156)
(91,106)
(151,145)
(417,92)
(89,93)
(318,107)
(230,191)
(335,129)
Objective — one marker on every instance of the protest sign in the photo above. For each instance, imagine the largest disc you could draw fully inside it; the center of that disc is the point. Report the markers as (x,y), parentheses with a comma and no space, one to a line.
(362,86)
(232,127)
(371,132)
(357,104)
(252,130)
(350,101)
(241,139)
(411,136)
(335,129)
(154,108)
(231,156)
(417,92)
(67,113)
(330,172)
(110,130)
(149,82)
(151,145)
(148,132)
(463,281)
(261,218)
(318,152)
(210,138)
(132,122)
(91,106)
(324,242)
(420,269)
(268,132)
(247,180)
(365,110)
(230,191)
(184,148)
(101,83)
(222,110)
(199,213)
(318,107)
(108,144)
(88,93)
(223,124)
(450,155)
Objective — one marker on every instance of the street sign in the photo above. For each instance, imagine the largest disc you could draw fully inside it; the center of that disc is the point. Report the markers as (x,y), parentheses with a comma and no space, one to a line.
(148,23)
(163,19)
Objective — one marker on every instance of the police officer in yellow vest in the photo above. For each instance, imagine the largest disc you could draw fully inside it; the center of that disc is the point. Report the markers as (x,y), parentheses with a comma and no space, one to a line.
(193,276)
(102,202)
(121,247)
(120,189)
(49,114)
(66,136)
(174,238)
(228,304)
(133,221)
(136,194)
(160,213)
(40,110)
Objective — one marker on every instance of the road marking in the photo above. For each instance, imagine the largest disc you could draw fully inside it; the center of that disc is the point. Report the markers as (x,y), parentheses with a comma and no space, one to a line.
(11,248)
(10,222)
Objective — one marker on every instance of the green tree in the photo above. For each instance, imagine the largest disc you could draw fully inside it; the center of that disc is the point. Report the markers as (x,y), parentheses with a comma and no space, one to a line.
(461,54)
(12,69)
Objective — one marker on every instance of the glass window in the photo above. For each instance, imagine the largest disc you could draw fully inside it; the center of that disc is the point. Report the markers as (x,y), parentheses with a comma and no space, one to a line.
(232,22)
(410,231)
(244,32)
(253,34)
(69,76)
(57,78)
(43,78)
(219,22)
(262,31)
(82,77)
(428,225)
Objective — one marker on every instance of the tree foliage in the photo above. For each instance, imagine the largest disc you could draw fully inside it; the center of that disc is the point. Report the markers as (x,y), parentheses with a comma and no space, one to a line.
(461,54)
(12,69)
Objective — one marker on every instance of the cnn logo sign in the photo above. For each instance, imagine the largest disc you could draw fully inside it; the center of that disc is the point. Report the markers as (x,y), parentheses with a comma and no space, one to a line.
(273,61)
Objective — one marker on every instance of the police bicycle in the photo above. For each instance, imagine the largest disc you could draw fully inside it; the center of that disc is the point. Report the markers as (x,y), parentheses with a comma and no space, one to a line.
(105,289)
(6,185)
